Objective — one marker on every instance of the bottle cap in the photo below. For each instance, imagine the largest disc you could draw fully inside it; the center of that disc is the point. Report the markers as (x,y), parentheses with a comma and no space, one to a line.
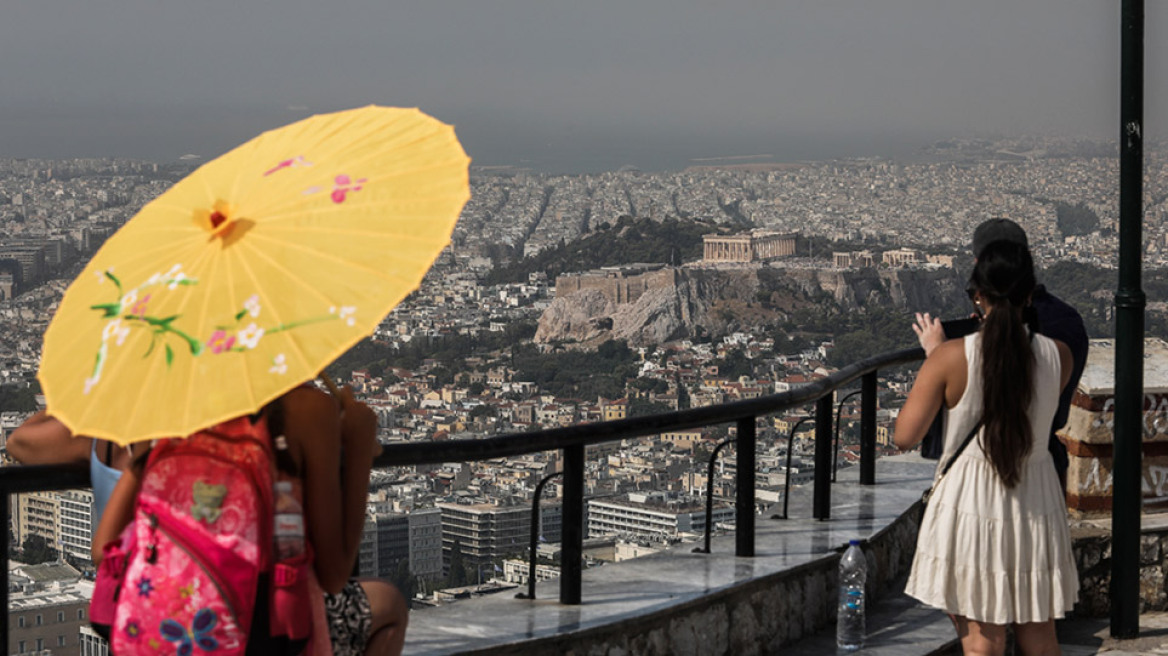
(854,543)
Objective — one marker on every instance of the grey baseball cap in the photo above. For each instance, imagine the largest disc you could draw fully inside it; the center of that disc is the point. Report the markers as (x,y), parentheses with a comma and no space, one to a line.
(997,230)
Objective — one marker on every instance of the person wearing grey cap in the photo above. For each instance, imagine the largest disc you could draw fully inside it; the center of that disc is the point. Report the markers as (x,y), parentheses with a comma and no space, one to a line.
(1056,320)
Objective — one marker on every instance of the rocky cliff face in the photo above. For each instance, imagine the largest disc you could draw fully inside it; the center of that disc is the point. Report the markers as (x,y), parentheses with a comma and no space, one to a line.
(718,301)
(856,289)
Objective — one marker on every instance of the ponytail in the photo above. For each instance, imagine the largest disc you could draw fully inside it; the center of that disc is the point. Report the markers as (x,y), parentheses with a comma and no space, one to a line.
(1004,278)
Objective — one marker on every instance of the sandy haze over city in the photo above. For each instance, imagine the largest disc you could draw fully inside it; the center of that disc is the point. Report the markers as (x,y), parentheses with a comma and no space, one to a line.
(590,87)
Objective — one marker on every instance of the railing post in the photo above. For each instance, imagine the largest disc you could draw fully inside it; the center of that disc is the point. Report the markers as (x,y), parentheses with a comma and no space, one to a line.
(534,542)
(868,429)
(572,540)
(744,506)
(1130,302)
(821,503)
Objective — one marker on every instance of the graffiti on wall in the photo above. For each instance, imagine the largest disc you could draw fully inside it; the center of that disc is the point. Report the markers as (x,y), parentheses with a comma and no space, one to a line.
(1155,417)
(1154,483)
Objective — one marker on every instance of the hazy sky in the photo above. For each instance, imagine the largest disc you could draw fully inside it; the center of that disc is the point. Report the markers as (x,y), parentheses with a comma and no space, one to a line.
(653,83)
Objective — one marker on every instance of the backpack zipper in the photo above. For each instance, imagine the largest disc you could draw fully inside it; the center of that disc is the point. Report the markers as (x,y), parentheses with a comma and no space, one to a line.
(157,525)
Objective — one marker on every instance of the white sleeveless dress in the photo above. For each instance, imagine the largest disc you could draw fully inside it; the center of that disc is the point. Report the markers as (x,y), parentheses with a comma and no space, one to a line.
(986,552)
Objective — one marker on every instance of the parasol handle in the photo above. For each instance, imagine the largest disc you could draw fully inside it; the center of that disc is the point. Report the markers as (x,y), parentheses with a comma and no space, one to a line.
(328,382)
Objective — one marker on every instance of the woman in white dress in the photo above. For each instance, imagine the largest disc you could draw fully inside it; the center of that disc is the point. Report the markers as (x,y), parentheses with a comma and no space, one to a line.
(994,549)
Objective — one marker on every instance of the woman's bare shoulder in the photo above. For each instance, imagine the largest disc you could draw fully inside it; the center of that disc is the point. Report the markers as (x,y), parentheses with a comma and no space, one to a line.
(946,366)
(311,416)
(950,351)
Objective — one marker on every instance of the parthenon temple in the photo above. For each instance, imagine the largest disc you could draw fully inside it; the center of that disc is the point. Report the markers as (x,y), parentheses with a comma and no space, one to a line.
(747,247)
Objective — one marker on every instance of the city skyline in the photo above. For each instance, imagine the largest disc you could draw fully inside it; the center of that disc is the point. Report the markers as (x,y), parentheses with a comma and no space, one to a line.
(570,90)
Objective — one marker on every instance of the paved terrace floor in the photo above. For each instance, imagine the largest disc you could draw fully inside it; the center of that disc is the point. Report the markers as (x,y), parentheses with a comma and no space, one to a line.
(901,626)
(616,592)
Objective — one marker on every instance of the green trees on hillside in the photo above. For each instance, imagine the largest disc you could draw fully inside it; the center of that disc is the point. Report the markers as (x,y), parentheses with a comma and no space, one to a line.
(630,240)
(734,364)
(879,331)
(1077,219)
(449,351)
(580,374)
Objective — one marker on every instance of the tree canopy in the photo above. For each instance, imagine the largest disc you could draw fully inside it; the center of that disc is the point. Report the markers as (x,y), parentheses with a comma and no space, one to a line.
(449,351)
(581,374)
(18,398)
(1077,219)
(630,240)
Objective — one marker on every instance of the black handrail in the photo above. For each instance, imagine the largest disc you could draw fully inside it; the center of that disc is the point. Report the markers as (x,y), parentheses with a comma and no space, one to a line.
(839,412)
(787,473)
(535,536)
(710,494)
(572,440)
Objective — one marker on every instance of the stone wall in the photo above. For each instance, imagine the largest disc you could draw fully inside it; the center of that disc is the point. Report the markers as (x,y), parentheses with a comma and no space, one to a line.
(619,286)
(756,617)
(1092,545)
(1089,436)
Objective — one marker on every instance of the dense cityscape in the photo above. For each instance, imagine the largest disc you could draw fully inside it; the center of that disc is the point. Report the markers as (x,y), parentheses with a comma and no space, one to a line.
(425,525)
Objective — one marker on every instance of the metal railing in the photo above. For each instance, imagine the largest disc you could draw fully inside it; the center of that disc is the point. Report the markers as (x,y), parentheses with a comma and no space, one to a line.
(533,547)
(571,441)
(787,475)
(839,412)
(710,493)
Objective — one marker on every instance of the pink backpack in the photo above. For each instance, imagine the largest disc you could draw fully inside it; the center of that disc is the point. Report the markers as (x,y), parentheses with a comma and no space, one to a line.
(191,569)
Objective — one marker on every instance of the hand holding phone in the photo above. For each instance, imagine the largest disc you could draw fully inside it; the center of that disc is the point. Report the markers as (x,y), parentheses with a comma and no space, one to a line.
(955,328)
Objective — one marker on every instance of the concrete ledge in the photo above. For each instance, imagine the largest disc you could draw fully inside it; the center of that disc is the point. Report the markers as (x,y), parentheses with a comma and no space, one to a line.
(680,603)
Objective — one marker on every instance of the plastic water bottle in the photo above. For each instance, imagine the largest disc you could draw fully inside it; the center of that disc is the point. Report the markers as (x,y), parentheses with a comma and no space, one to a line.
(853,572)
(288,531)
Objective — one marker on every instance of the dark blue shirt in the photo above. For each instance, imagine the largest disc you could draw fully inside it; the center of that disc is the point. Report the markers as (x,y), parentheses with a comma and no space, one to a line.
(1060,321)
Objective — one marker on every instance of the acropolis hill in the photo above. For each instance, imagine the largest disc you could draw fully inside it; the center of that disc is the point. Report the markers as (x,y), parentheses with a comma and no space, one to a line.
(654,303)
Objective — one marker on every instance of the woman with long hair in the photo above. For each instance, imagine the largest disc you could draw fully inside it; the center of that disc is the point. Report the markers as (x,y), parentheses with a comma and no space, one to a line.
(994,548)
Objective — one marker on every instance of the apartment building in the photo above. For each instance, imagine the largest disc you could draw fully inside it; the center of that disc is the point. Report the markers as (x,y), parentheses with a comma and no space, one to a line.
(48,604)
(64,519)
(652,514)
(488,532)
(425,543)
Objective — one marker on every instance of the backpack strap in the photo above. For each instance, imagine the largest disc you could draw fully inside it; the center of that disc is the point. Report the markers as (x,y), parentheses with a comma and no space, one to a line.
(285,464)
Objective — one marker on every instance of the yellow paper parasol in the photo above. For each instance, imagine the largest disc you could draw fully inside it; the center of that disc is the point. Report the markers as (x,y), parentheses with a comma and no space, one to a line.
(252,274)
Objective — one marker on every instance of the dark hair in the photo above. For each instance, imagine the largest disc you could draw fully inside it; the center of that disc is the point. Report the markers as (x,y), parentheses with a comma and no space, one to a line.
(1004,277)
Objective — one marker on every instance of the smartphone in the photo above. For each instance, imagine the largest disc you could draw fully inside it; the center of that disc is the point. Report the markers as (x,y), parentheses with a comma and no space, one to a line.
(955,328)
